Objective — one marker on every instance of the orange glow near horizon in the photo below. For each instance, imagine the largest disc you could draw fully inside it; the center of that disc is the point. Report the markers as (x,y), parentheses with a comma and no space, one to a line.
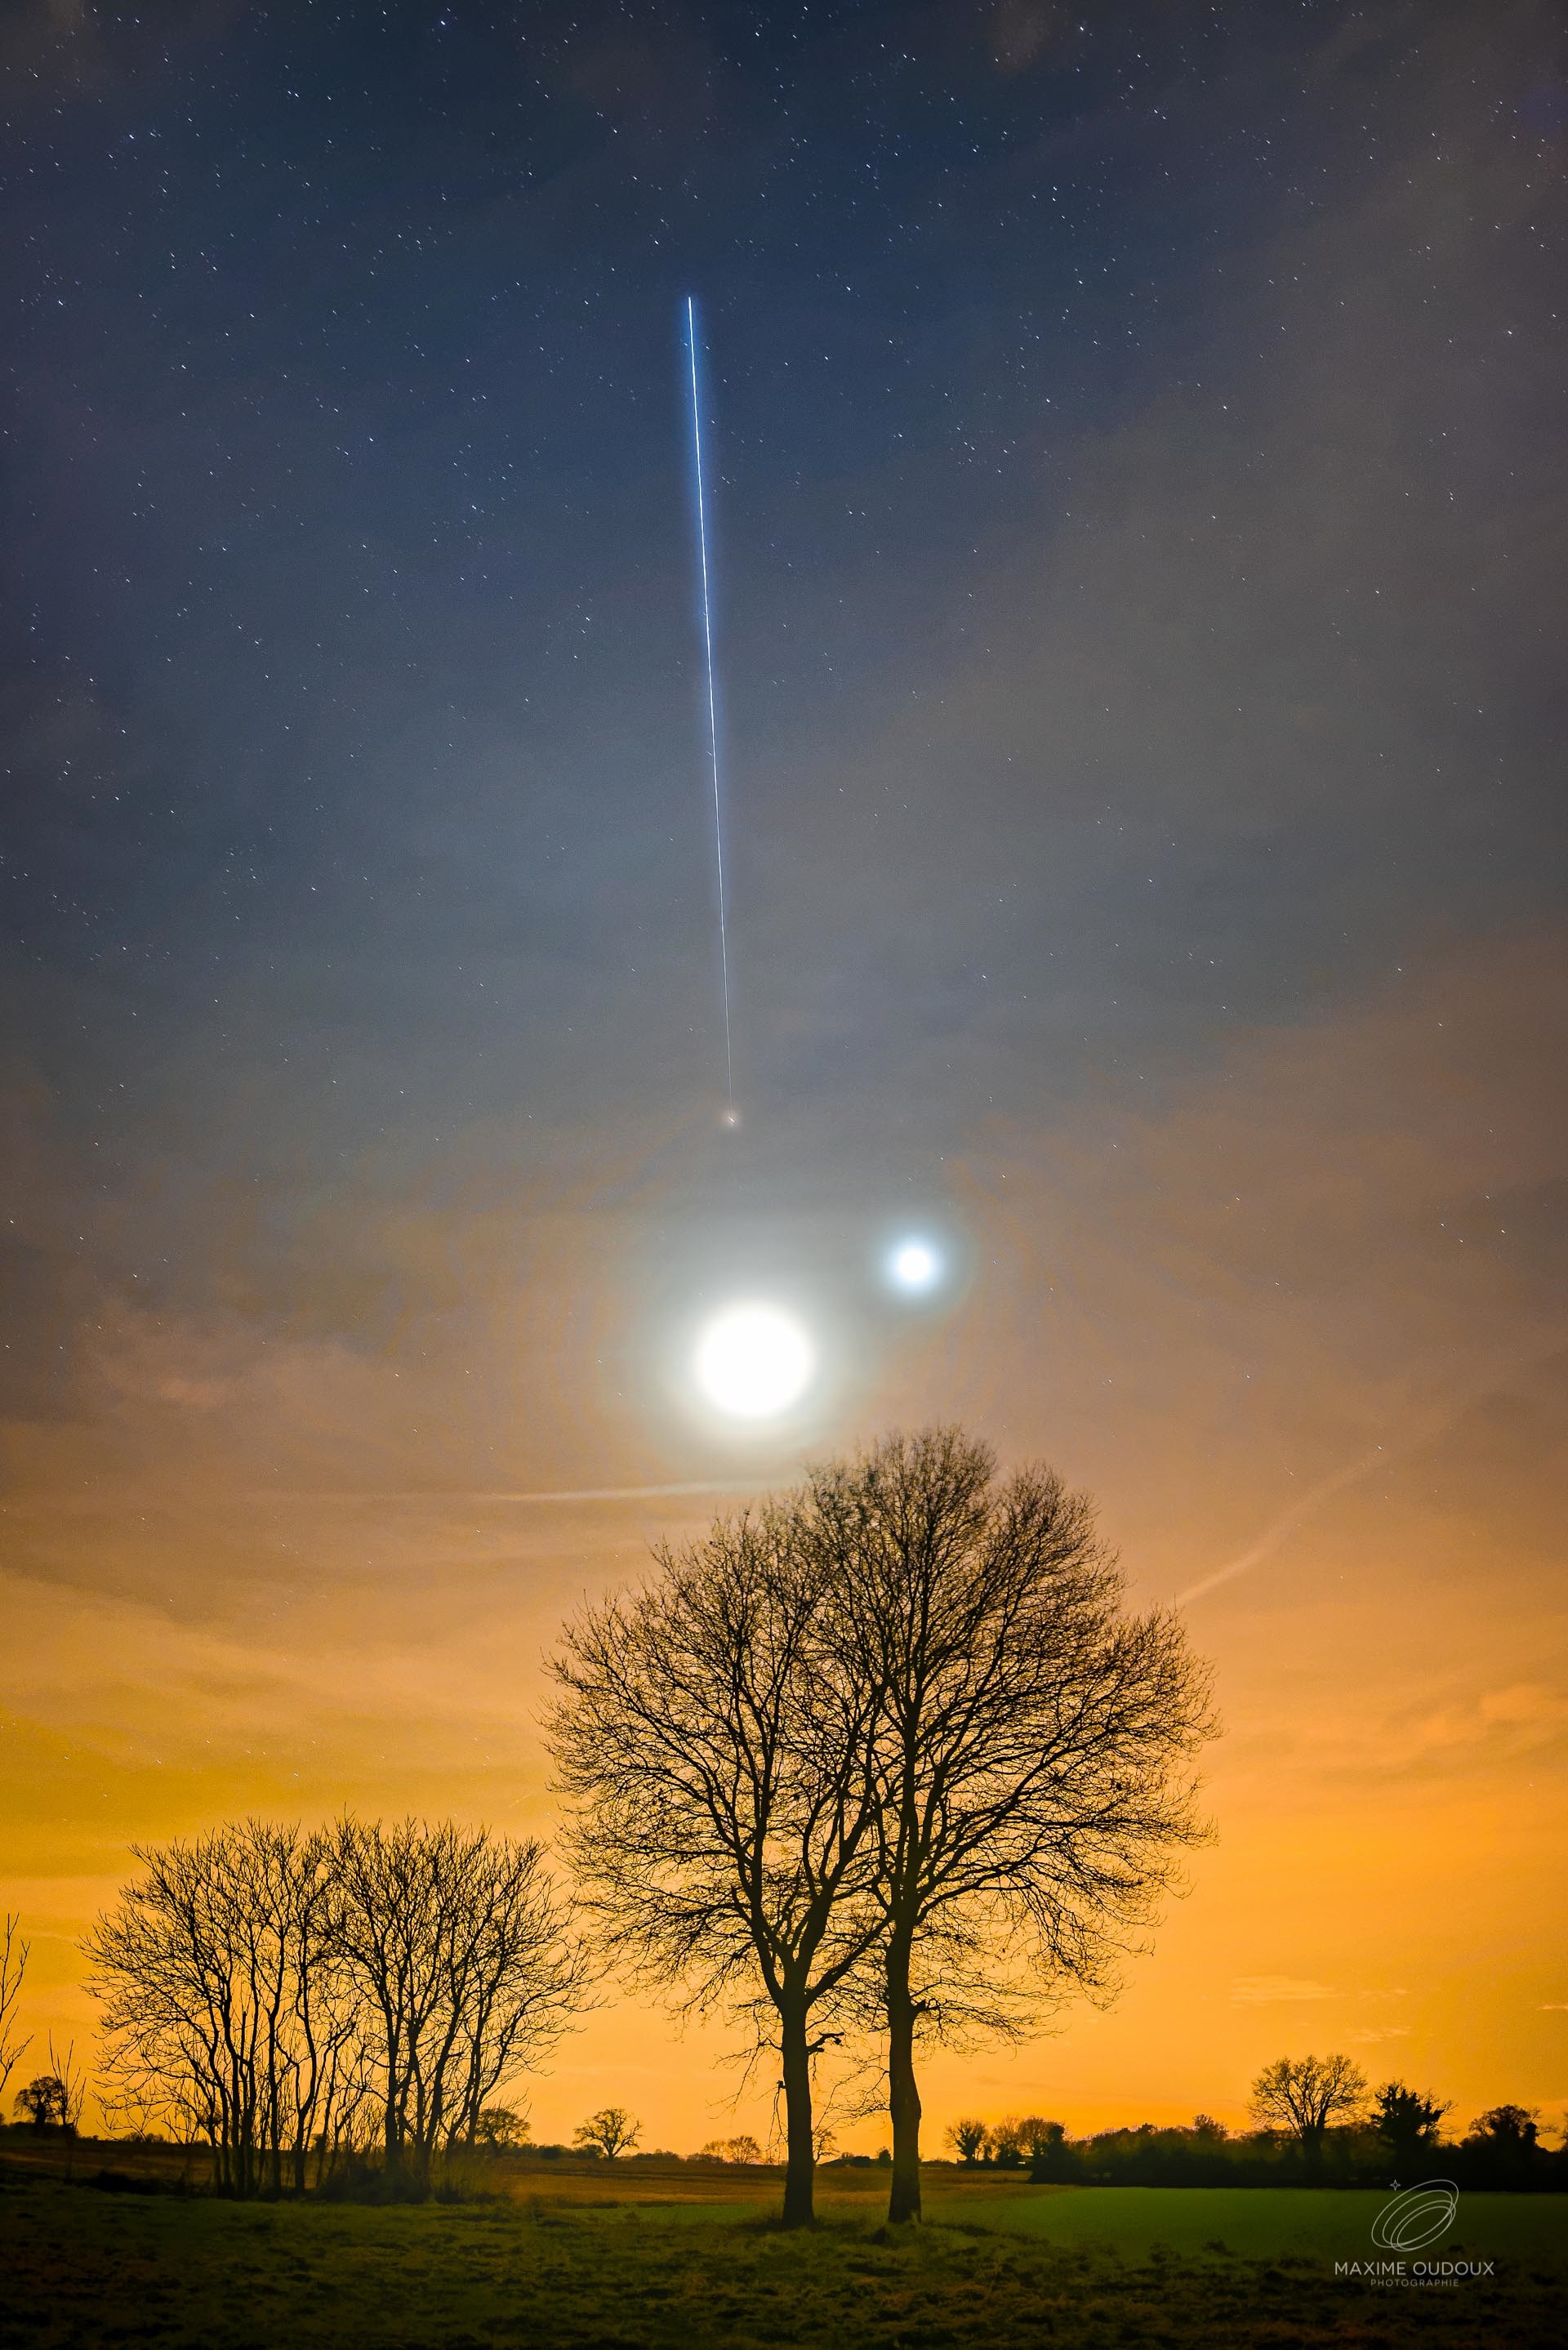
(1286,1324)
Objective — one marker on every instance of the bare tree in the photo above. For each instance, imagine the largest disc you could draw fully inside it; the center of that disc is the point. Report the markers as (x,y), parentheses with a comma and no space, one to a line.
(1017,2138)
(1006,2146)
(73,2082)
(14,1955)
(459,1946)
(723,1803)
(742,2149)
(1302,2096)
(1037,2137)
(261,1985)
(609,2132)
(227,2013)
(1031,1757)
(502,2128)
(966,2138)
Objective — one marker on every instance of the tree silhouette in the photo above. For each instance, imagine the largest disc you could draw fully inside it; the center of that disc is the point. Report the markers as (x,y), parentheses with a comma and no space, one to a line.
(14,1955)
(609,2132)
(458,1944)
(73,2084)
(1508,2138)
(501,2127)
(741,2149)
(722,1799)
(1045,2143)
(43,2101)
(269,1991)
(966,2138)
(1302,2096)
(226,2009)
(1031,1743)
(1037,2138)
(1407,2123)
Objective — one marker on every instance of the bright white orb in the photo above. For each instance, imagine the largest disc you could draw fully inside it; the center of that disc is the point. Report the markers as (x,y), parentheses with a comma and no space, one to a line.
(753,1361)
(914,1264)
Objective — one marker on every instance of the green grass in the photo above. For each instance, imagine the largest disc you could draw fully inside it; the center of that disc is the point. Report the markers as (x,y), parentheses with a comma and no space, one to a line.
(86,2270)
(1262,2222)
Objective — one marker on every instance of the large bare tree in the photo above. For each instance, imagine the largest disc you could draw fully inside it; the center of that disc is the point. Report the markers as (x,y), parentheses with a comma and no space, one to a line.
(1030,1762)
(467,1971)
(723,1798)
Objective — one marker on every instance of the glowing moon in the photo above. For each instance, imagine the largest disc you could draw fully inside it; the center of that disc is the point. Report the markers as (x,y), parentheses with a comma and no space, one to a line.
(914,1264)
(753,1361)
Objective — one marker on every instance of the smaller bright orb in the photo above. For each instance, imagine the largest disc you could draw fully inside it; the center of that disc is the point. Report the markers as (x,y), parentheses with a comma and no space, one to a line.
(914,1264)
(753,1361)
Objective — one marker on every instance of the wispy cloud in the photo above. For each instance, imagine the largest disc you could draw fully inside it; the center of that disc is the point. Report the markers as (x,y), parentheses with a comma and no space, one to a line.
(1261,1990)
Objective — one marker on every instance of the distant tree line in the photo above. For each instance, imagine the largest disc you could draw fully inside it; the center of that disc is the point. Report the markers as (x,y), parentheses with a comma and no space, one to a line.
(292,1998)
(1319,2123)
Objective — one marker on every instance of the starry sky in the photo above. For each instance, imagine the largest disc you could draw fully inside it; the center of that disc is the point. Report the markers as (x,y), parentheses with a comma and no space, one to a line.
(1139,518)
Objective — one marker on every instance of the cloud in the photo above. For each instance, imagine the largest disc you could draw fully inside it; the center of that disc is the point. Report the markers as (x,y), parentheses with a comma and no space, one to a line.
(1266,1990)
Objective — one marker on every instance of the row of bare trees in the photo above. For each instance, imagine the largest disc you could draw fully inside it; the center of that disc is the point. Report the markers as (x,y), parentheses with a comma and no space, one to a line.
(281,1993)
(888,1757)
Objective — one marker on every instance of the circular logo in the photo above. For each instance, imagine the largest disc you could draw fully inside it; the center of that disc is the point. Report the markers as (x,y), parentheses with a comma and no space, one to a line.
(1416,2217)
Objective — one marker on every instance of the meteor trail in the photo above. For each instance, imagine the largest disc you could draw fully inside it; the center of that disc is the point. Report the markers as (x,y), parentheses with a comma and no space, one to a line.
(713,705)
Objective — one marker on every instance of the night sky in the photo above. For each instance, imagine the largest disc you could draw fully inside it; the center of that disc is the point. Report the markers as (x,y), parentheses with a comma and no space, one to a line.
(1140,526)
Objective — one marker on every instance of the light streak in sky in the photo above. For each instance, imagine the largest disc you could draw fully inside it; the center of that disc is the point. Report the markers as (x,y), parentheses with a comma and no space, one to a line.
(1422,1432)
(712,704)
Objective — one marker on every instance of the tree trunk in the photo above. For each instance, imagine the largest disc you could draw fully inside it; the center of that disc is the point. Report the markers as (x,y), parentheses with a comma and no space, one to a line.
(903,2094)
(800,2165)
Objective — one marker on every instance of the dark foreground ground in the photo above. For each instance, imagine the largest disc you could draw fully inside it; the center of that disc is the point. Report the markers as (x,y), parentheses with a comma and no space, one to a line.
(83,2269)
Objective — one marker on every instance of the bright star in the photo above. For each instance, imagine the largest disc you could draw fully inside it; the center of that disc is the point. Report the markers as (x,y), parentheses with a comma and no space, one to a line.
(914,1264)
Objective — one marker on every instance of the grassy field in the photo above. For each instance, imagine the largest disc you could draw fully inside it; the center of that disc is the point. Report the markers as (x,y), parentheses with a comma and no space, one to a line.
(1264,2222)
(633,2262)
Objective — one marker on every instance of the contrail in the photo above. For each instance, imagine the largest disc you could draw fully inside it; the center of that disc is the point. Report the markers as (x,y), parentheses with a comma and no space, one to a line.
(446,1497)
(713,704)
(1425,1431)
